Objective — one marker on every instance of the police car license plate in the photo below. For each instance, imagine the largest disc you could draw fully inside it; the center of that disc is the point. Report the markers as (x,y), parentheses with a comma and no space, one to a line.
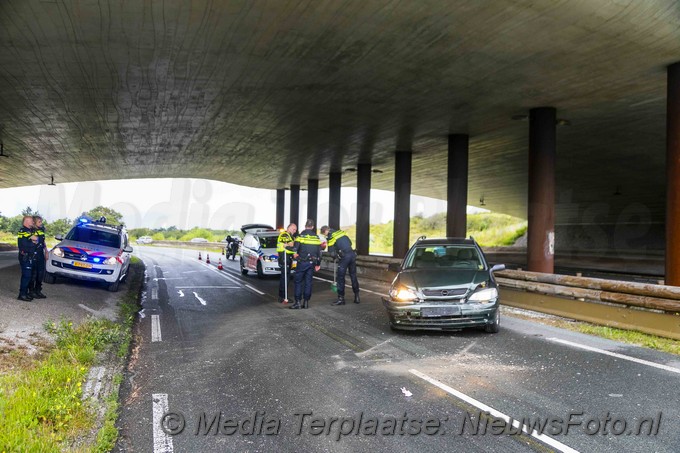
(83,265)
(433,312)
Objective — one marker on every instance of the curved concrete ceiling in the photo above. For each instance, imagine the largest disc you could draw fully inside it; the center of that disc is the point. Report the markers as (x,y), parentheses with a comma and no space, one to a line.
(266,94)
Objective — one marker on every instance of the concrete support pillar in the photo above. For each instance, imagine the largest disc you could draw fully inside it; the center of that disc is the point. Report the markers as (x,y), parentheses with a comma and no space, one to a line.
(313,199)
(295,206)
(280,207)
(541,213)
(457,186)
(363,208)
(334,185)
(673,176)
(402,203)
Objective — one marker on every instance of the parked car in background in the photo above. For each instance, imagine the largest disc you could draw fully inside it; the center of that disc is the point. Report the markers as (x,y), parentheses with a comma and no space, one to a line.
(199,240)
(91,250)
(444,284)
(144,240)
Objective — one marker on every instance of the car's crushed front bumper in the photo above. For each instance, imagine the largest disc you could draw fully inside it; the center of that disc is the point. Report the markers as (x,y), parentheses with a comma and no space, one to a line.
(438,315)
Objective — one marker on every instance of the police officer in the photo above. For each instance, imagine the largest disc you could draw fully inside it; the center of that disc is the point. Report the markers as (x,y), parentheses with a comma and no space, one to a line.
(285,240)
(307,248)
(27,242)
(341,245)
(38,273)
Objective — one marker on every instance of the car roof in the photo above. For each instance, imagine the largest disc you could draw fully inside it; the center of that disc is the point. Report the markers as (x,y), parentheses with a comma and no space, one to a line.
(445,241)
(265,233)
(100,227)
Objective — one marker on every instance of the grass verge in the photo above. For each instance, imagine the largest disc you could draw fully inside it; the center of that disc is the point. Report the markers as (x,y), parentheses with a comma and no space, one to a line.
(612,333)
(41,406)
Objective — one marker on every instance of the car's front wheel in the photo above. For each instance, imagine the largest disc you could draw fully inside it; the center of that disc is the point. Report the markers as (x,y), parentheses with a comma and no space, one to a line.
(113,287)
(50,278)
(495,326)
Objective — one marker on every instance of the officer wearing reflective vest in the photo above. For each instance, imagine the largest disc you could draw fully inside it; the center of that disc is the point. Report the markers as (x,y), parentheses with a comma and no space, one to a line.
(340,245)
(38,272)
(285,239)
(27,242)
(307,248)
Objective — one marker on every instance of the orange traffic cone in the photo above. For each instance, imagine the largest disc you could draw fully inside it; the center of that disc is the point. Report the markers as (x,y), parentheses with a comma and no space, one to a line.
(207,258)
(199,257)
(219,264)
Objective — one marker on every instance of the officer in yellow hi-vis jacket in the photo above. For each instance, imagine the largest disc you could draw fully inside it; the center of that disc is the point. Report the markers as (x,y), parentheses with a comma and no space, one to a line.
(307,249)
(340,247)
(27,242)
(38,273)
(286,239)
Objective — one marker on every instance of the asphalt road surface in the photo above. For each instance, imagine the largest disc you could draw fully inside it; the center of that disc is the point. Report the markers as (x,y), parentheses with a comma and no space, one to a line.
(241,372)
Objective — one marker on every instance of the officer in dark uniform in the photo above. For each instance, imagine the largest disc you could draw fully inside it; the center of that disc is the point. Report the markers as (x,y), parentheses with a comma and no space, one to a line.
(27,242)
(38,273)
(307,248)
(284,242)
(340,245)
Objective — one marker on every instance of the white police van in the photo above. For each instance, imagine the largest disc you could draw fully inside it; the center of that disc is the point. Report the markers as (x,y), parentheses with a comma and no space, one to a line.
(93,251)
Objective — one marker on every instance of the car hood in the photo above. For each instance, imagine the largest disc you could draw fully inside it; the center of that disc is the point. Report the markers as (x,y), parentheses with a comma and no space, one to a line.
(87,248)
(445,278)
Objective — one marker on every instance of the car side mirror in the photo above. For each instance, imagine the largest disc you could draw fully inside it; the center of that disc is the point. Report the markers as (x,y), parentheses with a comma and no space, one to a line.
(127,249)
(59,237)
(393,267)
(498,267)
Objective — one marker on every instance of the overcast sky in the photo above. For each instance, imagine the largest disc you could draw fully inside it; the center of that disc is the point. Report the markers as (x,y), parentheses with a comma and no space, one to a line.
(186,203)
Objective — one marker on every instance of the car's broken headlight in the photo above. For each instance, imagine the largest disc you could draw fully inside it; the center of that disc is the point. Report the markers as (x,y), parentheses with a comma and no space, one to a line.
(58,252)
(402,294)
(484,296)
(110,261)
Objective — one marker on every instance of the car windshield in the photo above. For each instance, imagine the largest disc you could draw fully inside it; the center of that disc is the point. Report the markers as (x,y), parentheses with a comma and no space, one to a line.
(268,242)
(94,236)
(451,256)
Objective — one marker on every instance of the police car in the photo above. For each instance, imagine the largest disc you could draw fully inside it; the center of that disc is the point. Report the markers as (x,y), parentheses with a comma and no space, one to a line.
(258,250)
(93,251)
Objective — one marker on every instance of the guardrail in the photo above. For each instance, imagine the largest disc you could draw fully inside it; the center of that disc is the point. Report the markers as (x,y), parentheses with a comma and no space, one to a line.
(653,309)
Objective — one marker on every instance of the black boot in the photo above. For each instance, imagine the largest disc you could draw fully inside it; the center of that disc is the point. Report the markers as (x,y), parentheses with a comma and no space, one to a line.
(37,294)
(25,297)
(295,306)
(340,301)
(356,298)
(305,304)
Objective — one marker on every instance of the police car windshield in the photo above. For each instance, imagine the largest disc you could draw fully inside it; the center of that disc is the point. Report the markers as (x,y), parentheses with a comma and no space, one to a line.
(93,236)
(452,256)
(268,242)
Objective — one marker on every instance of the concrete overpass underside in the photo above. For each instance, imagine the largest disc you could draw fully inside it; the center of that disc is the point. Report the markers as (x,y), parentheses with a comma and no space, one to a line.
(225,90)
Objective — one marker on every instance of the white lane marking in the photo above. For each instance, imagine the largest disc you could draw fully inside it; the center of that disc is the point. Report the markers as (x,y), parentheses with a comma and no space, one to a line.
(86,308)
(191,272)
(223,274)
(156,328)
(483,407)
(162,443)
(154,293)
(167,278)
(202,287)
(361,289)
(255,289)
(181,293)
(201,300)
(618,356)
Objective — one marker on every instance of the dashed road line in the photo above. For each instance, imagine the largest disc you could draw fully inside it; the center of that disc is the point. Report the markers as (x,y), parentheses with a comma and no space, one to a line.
(483,407)
(255,289)
(162,443)
(361,289)
(618,356)
(86,308)
(154,293)
(206,287)
(155,328)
